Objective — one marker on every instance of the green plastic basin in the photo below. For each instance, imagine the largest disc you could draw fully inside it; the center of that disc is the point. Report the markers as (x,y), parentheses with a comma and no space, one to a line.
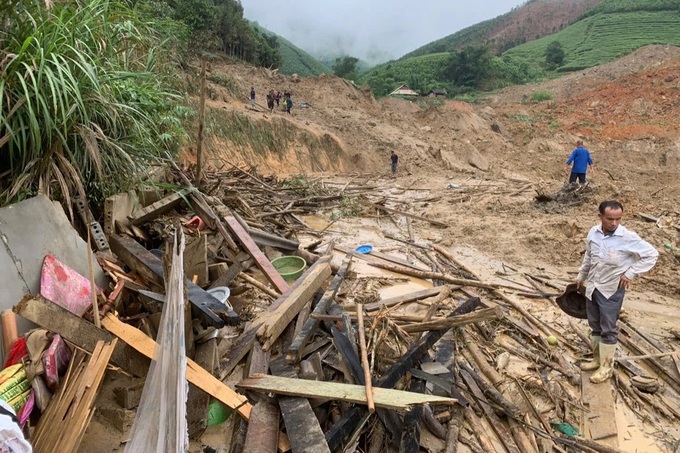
(290,267)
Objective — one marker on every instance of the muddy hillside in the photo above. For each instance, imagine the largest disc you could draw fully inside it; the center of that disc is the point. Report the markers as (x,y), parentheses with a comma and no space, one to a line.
(627,113)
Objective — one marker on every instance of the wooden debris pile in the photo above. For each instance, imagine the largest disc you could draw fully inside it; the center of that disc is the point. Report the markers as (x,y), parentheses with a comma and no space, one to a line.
(567,196)
(316,365)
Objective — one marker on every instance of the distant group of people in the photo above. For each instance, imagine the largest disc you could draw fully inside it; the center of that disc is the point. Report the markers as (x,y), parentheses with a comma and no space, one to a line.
(274,98)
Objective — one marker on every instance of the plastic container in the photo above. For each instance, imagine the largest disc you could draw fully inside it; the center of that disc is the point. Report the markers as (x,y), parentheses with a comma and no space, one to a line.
(290,267)
(221,293)
(364,249)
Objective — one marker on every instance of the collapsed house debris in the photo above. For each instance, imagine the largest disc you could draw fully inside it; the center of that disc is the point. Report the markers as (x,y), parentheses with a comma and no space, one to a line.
(315,359)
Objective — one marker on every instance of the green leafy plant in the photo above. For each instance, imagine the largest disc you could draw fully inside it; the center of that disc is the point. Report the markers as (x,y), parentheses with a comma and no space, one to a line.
(349,207)
(85,105)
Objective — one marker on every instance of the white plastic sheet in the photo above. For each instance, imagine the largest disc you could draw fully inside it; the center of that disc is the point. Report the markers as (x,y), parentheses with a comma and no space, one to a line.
(160,425)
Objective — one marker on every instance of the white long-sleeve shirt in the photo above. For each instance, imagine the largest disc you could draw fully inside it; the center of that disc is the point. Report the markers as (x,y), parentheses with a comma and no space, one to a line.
(608,257)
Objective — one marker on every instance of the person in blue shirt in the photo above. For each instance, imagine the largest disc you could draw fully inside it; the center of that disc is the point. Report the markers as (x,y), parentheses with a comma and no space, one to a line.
(580,158)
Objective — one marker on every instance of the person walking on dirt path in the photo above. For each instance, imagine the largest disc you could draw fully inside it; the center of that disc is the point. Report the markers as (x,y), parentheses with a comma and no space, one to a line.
(270,101)
(614,257)
(252,96)
(277,97)
(395,162)
(581,159)
(289,104)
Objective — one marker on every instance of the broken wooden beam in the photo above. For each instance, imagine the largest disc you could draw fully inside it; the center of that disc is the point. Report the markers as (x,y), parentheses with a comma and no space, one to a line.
(416,352)
(432,275)
(263,429)
(196,375)
(495,422)
(160,207)
(80,332)
(244,342)
(310,326)
(412,297)
(150,267)
(387,398)
(273,323)
(63,424)
(260,259)
(485,314)
(405,214)
(302,426)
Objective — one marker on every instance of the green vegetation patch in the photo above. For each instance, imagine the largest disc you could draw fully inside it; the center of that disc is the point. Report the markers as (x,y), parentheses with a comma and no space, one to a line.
(85,93)
(264,137)
(419,73)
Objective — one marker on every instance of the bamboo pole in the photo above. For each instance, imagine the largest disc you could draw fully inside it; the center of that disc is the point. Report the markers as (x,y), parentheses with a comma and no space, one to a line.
(201,123)
(93,286)
(364,359)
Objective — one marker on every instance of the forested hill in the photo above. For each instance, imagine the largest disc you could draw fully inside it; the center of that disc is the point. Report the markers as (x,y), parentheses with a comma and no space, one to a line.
(534,19)
(293,59)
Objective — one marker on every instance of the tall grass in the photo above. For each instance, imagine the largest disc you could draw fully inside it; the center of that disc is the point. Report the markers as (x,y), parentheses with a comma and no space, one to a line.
(84,104)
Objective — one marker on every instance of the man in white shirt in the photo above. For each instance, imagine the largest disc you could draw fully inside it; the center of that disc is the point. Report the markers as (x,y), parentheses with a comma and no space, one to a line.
(614,257)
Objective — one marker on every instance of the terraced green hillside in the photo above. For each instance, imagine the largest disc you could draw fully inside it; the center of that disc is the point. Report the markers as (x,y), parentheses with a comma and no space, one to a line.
(604,37)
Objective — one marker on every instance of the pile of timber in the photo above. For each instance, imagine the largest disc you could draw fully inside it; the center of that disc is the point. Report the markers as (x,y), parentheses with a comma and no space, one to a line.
(318,372)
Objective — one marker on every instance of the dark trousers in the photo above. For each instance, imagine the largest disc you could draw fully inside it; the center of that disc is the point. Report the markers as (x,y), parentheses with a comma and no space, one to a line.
(603,314)
(581,177)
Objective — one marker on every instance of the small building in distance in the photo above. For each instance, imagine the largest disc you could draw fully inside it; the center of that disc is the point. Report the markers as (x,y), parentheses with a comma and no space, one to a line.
(404,90)
(437,93)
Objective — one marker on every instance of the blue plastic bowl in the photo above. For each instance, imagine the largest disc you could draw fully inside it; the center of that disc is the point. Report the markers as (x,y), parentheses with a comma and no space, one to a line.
(364,249)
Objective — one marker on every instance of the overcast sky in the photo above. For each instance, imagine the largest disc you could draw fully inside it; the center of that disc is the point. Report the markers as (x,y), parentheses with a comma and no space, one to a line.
(373,30)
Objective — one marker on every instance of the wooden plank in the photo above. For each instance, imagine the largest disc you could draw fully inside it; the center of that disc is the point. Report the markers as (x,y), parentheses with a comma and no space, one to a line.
(263,429)
(411,297)
(410,434)
(227,277)
(387,398)
(302,426)
(62,426)
(195,374)
(244,342)
(145,263)
(160,207)
(495,422)
(600,421)
(485,314)
(79,332)
(196,259)
(405,214)
(274,322)
(310,326)
(416,352)
(260,259)
(198,401)
(117,208)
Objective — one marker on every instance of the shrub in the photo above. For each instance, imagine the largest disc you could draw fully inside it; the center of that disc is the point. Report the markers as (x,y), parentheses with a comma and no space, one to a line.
(83,103)
(541,95)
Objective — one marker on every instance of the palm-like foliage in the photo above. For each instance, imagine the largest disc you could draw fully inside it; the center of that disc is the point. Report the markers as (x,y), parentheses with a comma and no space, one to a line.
(83,108)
